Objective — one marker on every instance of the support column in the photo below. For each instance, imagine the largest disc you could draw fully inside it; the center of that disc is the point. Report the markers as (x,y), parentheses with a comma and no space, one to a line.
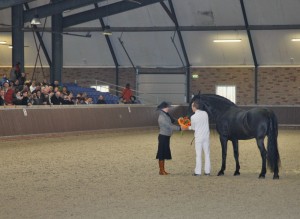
(57,48)
(252,50)
(17,36)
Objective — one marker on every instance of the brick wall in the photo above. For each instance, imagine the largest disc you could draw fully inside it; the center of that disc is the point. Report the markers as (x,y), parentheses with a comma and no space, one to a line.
(242,78)
(276,86)
(279,86)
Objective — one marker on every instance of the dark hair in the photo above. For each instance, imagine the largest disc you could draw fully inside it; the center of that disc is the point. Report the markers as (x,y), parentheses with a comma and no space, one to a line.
(197,104)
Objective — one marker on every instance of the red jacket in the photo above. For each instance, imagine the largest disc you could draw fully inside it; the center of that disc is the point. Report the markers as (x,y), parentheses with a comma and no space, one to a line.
(126,94)
(8,96)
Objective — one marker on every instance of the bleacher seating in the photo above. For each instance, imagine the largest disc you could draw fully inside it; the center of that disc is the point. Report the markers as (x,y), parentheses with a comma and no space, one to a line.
(93,93)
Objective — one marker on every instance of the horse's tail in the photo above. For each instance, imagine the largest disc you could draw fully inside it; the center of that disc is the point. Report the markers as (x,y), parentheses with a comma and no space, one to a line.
(273,157)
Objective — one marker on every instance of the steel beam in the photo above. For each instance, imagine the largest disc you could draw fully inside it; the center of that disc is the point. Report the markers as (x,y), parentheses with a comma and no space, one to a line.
(17,36)
(186,58)
(112,52)
(104,11)
(167,28)
(10,3)
(252,50)
(56,7)
(57,48)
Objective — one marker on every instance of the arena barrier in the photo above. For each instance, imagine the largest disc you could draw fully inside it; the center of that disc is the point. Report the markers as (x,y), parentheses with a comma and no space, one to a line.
(37,120)
(288,116)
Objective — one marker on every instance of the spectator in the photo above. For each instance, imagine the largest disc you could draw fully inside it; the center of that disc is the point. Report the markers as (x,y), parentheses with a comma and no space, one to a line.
(17,70)
(2,101)
(4,79)
(45,95)
(25,88)
(22,79)
(11,84)
(17,98)
(101,100)
(25,99)
(68,99)
(55,84)
(126,94)
(65,91)
(32,87)
(9,92)
(12,75)
(17,85)
(37,87)
(79,99)
(88,100)
(84,95)
(55,89)
(37,98)
(56,99)
(44,83)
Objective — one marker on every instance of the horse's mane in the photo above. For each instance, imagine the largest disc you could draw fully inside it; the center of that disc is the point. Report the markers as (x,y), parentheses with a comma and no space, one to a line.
(218,98)
(213,104)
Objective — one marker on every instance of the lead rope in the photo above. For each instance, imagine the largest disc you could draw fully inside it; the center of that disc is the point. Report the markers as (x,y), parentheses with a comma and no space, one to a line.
(192,141)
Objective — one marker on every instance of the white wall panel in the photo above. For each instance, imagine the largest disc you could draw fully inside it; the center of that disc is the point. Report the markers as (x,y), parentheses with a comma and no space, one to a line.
(276,48)
(154,88)
(270,12)
(208,12)
(204,52)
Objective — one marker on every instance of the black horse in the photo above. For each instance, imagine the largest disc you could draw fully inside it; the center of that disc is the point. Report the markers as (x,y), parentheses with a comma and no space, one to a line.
(234,123)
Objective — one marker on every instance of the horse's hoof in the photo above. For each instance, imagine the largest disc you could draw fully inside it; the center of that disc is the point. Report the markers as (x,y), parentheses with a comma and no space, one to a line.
(276,177)
(261,176)
(236,173)
(221,173)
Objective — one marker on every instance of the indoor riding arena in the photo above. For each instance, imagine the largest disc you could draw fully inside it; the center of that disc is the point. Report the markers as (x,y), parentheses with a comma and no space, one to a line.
(81,83)
(112,172)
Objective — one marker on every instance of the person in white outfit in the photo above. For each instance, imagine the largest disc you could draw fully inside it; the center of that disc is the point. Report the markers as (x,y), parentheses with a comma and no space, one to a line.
(199,123)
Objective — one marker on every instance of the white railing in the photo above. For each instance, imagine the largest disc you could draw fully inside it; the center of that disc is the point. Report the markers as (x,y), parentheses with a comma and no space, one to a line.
(113,88)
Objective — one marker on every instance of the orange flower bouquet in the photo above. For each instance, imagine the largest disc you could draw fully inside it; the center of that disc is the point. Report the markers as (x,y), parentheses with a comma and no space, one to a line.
(184,121)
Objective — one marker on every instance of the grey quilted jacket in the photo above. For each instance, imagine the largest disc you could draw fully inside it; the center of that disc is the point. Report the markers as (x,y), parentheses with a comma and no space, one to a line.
(165,124)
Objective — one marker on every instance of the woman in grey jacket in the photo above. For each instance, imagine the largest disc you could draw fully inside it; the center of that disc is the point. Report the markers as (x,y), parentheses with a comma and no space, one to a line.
(166,128)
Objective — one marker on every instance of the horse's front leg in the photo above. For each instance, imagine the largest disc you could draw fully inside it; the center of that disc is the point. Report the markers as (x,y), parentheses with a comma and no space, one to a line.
(235,144)
(223,141)
(263,153)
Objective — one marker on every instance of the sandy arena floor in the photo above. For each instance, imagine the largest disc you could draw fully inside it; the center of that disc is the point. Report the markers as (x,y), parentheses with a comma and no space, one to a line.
(115,175)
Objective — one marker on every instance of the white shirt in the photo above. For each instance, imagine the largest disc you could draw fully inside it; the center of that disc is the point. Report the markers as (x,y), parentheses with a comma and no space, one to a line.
(199,123)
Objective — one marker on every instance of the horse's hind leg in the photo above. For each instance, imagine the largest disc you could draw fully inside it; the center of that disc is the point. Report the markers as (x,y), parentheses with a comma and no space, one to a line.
(224,155)
(235,144)
(263,153)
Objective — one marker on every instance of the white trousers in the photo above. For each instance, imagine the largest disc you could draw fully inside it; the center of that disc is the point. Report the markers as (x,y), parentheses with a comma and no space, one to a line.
(199,146)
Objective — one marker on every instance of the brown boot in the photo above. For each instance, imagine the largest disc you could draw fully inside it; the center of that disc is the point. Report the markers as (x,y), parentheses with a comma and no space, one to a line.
(162,167)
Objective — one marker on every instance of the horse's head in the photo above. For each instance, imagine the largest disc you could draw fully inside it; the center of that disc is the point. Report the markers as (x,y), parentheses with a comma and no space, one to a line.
(213,104)
(190,111)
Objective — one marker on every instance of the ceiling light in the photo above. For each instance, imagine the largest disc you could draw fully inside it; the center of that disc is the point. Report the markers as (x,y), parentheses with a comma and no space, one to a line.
(295,40)
(10,46)
(2,42)
(107,31)
(35,21)
(227,41)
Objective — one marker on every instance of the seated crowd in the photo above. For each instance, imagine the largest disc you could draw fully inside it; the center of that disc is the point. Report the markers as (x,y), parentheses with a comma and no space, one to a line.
(26,92)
